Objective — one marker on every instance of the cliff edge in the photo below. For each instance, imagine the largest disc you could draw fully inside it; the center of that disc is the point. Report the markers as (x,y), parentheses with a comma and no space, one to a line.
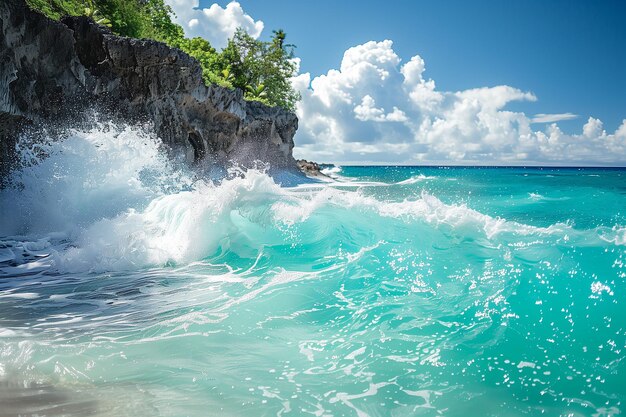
(50,72)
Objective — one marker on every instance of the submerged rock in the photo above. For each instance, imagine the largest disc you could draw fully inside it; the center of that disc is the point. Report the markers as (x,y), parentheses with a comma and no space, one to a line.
(50,72)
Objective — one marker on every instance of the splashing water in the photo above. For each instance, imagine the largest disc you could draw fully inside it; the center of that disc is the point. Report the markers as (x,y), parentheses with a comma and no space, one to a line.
(129,287)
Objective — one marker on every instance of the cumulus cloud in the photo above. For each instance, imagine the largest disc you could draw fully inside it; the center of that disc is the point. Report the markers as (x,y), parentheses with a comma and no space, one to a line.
(367,111)
(551,118)
(375,108)
(215,24)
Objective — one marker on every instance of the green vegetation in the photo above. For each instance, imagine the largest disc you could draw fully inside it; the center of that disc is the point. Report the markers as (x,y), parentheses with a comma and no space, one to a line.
(91,11)
(261,69)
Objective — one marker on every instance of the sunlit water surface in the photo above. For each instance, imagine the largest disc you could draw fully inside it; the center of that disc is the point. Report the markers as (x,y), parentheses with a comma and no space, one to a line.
(129,287)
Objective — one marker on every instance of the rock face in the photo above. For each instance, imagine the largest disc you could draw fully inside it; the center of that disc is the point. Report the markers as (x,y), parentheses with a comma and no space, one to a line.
(312,169)
(309,167)
(50,72)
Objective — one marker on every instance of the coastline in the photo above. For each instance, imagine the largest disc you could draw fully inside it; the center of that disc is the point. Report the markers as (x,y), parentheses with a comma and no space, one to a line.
(80,67)
(162,253)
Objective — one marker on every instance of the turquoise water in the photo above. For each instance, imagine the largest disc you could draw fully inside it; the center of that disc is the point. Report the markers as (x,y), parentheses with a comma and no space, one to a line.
(130,287)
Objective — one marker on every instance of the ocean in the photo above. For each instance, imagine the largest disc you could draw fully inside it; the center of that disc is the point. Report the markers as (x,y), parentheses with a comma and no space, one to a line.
(131,286)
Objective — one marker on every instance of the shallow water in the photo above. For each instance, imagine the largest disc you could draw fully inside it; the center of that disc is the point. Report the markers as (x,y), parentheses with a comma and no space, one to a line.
(129,287)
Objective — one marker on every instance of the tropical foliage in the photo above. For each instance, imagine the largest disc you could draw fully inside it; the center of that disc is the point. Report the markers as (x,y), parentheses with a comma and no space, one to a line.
(261,69)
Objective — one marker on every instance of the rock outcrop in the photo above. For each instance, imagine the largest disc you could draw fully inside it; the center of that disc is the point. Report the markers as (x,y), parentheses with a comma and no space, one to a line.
(312,169)
(50,72)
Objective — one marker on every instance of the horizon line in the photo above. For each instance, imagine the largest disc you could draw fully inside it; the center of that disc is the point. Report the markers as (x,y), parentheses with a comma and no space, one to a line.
(619,167)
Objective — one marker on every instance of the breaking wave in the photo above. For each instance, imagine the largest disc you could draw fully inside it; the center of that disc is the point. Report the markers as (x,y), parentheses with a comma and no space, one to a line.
(108,199)
(312,298)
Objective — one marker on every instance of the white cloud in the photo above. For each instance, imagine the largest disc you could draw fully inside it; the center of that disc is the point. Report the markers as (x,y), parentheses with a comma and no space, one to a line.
(215,24)
(374,109)
(593,128)
(421,92)
(366,111)
(621,131)
(551,118)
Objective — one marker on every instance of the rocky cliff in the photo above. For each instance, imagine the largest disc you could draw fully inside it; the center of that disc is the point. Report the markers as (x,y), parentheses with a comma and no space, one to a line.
(50,72)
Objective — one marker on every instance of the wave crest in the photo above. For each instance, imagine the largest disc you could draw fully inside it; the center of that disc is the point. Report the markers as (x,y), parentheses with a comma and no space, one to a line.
(109,199)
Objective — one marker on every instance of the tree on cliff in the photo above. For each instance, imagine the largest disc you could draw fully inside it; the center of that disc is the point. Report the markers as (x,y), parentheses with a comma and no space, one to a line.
(258,66)
(279,38)
(261,69)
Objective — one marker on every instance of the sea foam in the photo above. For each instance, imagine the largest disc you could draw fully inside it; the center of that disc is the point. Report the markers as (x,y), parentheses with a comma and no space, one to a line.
(109,199)
(132,279)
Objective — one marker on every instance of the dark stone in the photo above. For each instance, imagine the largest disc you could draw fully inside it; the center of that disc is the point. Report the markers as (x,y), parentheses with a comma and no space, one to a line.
(312,169)
(50,72)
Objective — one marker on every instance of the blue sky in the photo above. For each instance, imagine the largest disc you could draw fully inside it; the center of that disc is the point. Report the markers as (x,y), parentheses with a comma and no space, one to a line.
(570,55)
